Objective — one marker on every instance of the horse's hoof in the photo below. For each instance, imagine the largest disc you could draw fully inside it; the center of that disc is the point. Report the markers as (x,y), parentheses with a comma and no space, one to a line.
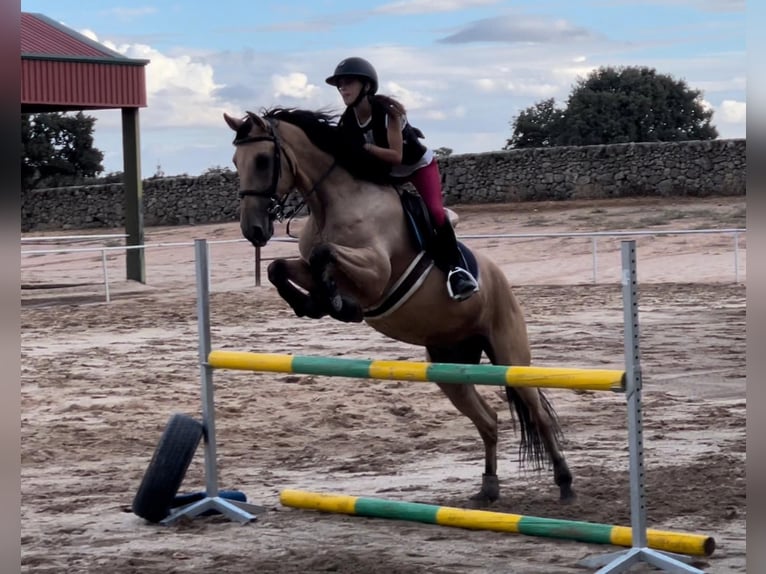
(568,496)
(489,493)
(353,314)
(479,500)
(310,310)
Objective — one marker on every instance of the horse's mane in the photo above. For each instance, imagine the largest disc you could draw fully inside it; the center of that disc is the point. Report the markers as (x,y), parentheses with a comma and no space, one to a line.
(320,126)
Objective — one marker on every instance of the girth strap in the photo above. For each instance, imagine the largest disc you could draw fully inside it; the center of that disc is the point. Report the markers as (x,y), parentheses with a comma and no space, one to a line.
(410,281)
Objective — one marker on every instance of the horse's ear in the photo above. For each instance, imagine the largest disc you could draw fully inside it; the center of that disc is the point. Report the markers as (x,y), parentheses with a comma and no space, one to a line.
(234,123)
(258,121)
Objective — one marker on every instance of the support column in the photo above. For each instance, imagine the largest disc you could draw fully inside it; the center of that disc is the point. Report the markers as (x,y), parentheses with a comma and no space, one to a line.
(133,189)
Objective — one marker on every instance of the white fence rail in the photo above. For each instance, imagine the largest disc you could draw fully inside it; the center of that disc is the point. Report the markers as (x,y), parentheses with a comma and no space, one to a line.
(68,238)
(594,235)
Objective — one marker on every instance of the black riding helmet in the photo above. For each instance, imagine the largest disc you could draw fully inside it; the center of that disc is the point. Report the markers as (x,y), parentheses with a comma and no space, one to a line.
(356,67)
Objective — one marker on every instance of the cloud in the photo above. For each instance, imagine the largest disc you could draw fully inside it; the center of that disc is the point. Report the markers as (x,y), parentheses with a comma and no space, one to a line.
(462,94)
(732,112)
(430,6)
(516,28)
(128,14)
(326,23)
(436,115)
(722,85)
(703,5)
(520,87)
(486,84)
(311,25)
(180,90)
(459,112)
(724,5)
(294,85)
(729,117)
(411,100)
(236,92)
(569,75)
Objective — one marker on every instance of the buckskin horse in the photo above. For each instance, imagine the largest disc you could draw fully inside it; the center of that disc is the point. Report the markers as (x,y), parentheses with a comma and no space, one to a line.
(358,262)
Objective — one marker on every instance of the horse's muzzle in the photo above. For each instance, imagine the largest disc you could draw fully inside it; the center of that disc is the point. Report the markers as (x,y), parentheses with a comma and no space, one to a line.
(256,234)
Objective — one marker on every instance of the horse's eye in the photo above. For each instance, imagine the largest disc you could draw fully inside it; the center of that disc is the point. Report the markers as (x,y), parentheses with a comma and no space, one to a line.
(262,162)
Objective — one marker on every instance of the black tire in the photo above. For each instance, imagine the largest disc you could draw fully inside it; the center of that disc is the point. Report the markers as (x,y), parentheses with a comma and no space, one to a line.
(167,468)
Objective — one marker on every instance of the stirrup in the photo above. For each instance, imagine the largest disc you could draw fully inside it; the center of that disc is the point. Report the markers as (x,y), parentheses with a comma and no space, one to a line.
(473,286)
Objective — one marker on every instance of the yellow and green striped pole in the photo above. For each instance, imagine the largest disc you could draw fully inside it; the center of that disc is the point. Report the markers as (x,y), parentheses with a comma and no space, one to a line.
(499,375)
(591,532)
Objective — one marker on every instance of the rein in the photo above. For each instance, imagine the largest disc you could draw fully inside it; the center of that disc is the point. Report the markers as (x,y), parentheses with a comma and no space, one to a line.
(303,199)
(276,208)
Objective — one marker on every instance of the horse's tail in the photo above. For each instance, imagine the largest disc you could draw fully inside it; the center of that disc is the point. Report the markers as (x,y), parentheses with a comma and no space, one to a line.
(532,449)
(536,418)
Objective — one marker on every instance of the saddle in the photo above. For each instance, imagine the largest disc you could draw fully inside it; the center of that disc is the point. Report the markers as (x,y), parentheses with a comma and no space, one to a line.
(419,223)
(421,228)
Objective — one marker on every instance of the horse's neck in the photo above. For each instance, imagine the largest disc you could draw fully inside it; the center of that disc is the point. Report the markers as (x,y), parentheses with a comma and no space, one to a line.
(354,212)
(338,202)
(332,194)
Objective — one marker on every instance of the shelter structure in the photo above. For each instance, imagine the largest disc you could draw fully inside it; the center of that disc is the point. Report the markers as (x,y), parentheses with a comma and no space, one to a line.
(63,70)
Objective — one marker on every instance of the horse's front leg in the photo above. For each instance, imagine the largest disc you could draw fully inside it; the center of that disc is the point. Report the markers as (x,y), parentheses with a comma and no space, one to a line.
(285,274)
(365,272)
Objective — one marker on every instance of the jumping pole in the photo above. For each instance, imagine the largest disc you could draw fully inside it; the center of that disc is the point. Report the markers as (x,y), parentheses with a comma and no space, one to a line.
(590,532)
(497,375)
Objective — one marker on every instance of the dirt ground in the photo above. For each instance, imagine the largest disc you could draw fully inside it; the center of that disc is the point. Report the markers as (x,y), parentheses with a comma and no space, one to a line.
(100,381)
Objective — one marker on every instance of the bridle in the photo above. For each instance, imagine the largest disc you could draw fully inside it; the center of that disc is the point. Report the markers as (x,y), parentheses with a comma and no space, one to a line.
(276,205)
(276,209)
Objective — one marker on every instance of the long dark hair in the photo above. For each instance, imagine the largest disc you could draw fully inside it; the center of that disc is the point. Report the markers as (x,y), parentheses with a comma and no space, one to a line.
(391,105)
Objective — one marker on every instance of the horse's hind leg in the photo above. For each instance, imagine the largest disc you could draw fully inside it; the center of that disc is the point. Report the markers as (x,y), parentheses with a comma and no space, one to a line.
(539,427)
(469,402)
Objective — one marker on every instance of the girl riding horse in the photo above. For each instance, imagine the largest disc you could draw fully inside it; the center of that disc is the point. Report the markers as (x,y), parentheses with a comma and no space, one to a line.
(378,125)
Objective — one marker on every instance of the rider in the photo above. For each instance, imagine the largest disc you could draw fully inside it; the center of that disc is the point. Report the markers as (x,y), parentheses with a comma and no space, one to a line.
(378,125)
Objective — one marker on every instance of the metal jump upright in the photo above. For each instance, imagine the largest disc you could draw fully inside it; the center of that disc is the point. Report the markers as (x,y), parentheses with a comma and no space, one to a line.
(233,509)
(622,560)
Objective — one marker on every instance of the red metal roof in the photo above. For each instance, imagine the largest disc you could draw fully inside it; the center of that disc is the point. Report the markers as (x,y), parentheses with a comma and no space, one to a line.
(41,36)
(64,70)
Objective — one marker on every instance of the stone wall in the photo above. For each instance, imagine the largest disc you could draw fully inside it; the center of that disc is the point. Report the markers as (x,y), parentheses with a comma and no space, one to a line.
(700,168)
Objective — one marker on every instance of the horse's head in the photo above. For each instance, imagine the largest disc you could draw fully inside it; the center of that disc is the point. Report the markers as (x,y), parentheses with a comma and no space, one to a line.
(264,179)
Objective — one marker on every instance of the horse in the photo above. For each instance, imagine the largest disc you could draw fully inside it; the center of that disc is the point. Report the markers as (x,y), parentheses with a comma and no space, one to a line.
(358,262)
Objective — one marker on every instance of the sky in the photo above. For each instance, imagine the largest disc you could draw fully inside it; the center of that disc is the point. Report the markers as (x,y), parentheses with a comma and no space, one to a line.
(463,68)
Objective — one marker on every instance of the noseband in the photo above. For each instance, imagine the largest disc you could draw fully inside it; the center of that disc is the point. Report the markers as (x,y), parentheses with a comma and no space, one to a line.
(276,205)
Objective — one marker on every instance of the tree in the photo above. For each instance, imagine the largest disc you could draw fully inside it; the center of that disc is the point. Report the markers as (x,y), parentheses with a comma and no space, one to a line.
(57,149)
(536,126)
(618,105)
(443,151)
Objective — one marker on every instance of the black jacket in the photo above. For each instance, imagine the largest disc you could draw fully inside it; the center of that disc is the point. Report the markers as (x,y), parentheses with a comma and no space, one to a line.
(363,164)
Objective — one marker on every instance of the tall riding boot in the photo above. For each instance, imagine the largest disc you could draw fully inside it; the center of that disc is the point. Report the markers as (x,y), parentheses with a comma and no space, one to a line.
(447,257)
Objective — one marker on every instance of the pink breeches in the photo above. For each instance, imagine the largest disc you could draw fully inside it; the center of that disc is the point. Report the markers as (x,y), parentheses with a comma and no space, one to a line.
(429,185)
